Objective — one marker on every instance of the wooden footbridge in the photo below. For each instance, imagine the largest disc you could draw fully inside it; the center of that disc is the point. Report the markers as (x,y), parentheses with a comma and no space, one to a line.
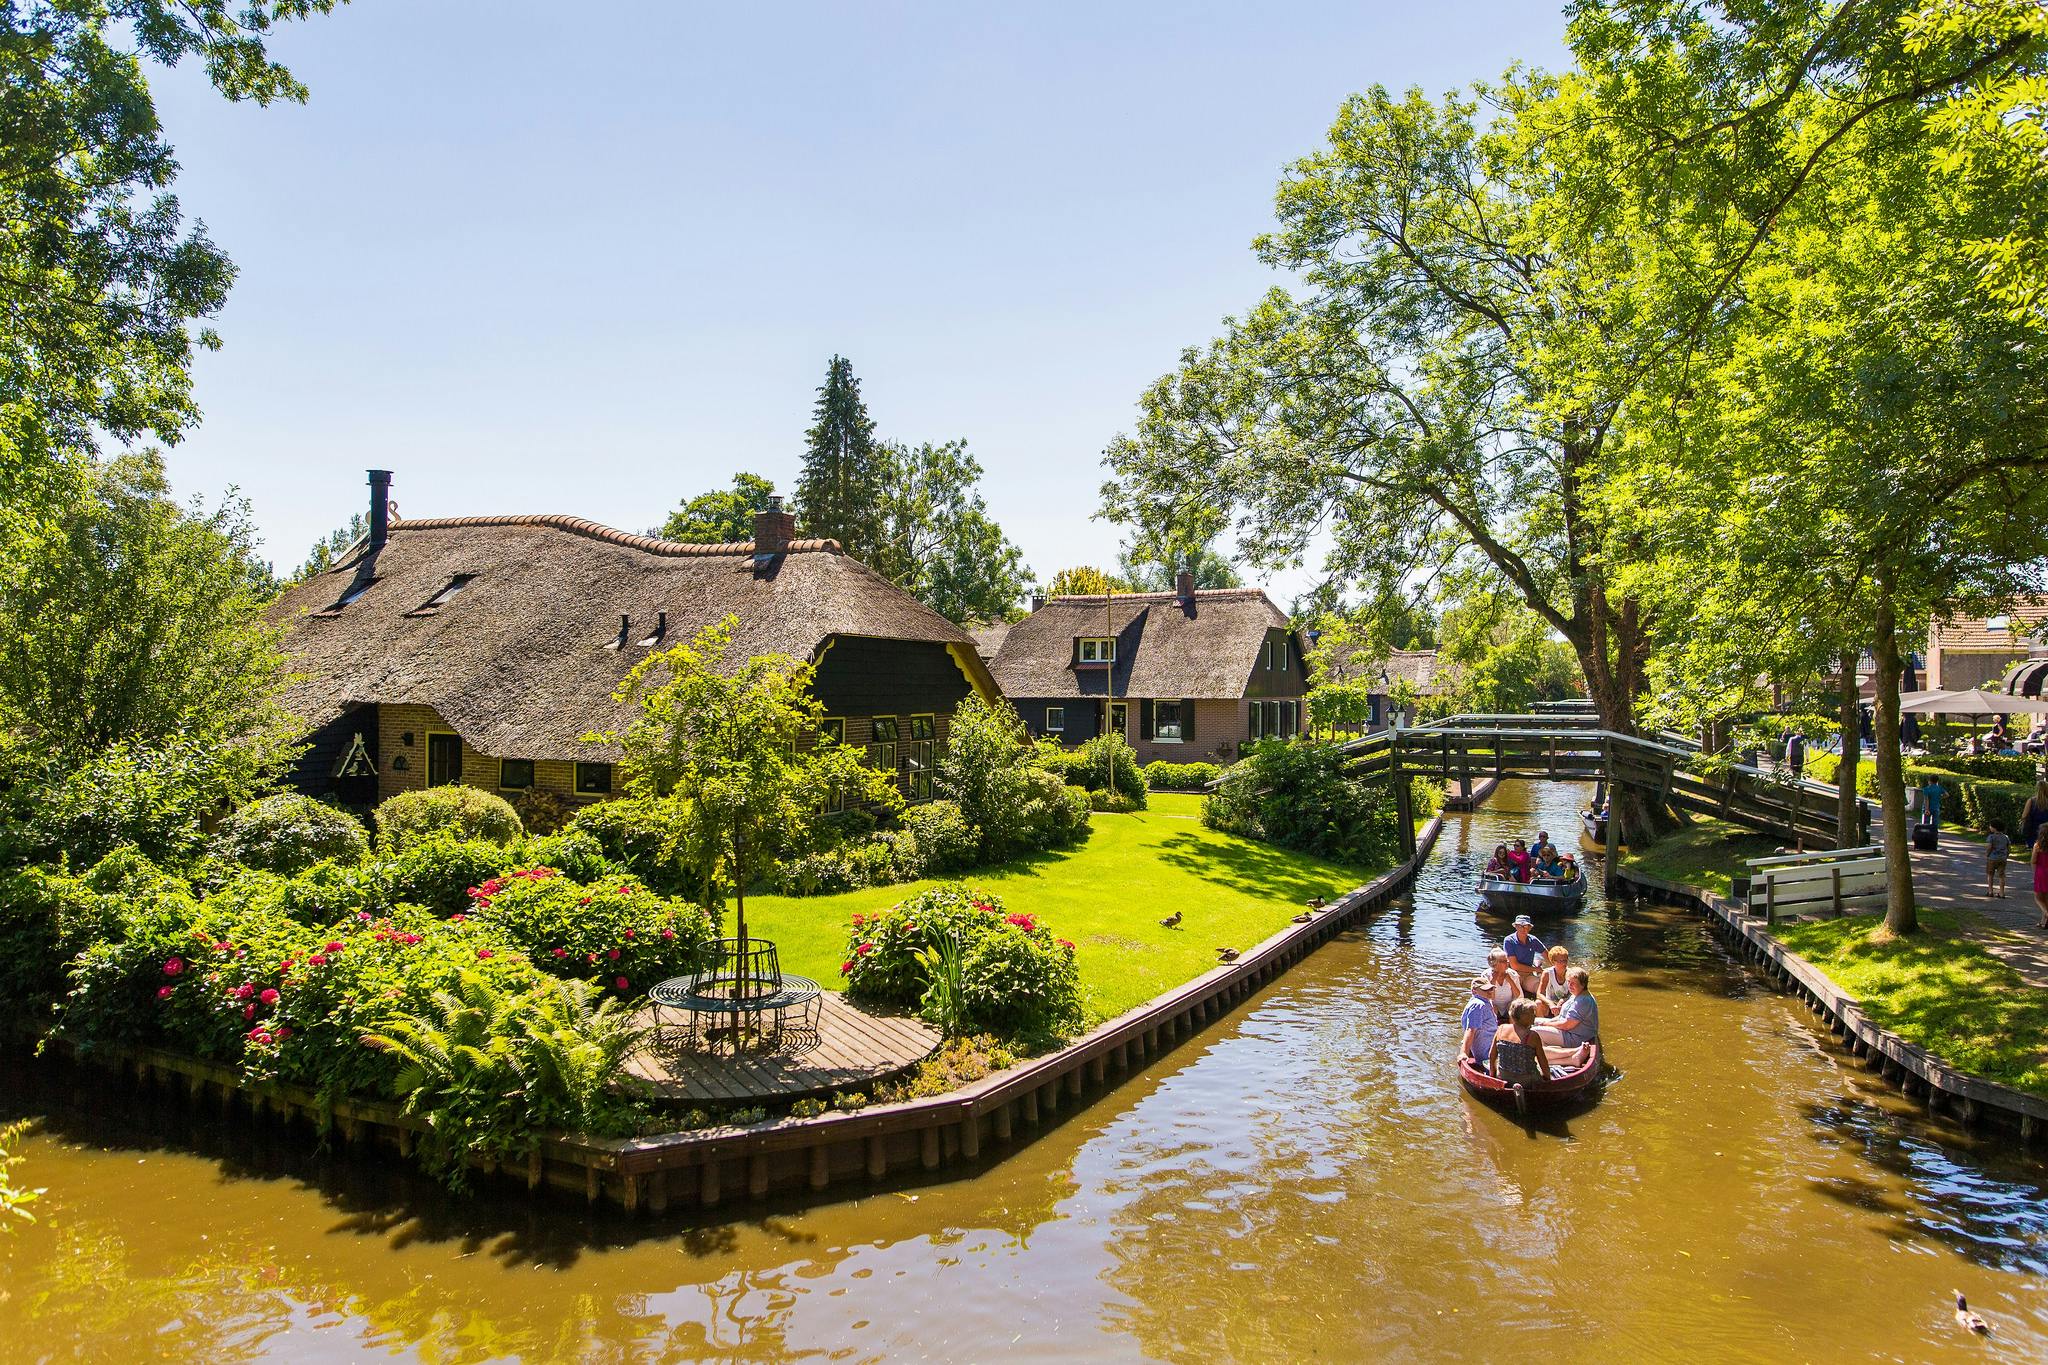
(1572,747)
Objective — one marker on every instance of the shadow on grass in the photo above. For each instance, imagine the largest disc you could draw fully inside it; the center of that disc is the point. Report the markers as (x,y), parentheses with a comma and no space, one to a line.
(1260,870)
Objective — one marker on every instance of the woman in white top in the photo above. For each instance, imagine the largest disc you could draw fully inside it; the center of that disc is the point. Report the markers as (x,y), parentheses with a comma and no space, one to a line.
(1505,986)
(1551,989)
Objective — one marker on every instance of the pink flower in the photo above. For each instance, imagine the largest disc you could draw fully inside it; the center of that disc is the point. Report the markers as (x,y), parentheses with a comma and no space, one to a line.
(613,954)
(1066,943)
(245,990)
(248,1011)
(283,1033)
(859,920)
(317,959)
(584,901)
(269,997)
(561,952)
(164,992)
(623,984)
(629,933)
(334,947)
(363,916)
(863,949)
(259,1035)
(285,965)
(458,918)
(668,933)
(590,957)
(172,966)
(484,952)
(846,967)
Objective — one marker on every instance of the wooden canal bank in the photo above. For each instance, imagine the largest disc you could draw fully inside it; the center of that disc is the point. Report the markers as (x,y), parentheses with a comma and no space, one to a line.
(945,1136)
(1917,1073)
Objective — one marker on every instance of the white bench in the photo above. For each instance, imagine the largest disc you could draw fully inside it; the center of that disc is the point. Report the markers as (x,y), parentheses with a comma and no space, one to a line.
(1836,881)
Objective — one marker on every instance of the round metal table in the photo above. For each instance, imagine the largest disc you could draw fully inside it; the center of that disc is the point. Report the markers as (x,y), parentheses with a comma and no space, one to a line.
(717,1011)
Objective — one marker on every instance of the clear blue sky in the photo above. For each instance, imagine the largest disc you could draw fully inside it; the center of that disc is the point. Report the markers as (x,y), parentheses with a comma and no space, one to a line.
(596,266)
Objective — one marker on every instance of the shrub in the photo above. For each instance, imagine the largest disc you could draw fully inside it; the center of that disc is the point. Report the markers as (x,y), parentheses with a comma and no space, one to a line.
(1051,814)
(1098,760)
(958,1062)
(984,771)
(541,811)
(46,919)
(1115,803)
(288,833)
(1014,977)
(438,872)
(945,840)
(1300,796)
(156,800)
(328,891)
(573,852)
(1162,776)
(463,812)
(648,836)
(616,934)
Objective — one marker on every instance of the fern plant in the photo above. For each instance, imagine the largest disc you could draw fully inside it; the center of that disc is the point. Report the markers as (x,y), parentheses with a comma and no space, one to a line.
(491,1068)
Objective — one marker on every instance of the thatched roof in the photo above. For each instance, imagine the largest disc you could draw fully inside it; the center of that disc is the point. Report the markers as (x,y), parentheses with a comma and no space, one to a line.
(1417,667)
(1166,647)
(988,638)
(523,660)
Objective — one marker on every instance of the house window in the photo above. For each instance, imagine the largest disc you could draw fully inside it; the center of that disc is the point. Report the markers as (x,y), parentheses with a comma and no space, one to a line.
(444,759)
(353,591)
(884,729)
(1097,650)
(1120,718)
(1290,718)
(440,599)
(1055,719)
(915,773)
(921,727)
(832,730)
(1166,720)
(594,779)
(515,774)
(1258,720)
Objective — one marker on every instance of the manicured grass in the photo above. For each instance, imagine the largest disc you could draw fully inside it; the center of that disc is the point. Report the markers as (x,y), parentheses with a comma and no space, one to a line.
(1107,897)
(1705,853)
(1938,990)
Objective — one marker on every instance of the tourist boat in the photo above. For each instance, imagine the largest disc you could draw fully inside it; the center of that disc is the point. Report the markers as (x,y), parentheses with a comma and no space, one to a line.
(1508,896)
(1533,1094)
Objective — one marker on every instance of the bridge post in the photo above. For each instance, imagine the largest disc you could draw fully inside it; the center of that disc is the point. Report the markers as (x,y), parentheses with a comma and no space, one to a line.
(1464,772)
(1610,875)
(1404,803)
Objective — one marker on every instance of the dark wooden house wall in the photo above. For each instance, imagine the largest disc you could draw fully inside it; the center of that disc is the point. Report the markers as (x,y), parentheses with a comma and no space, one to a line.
(860,676)
(312,772)
(1082,718)
(1291,680)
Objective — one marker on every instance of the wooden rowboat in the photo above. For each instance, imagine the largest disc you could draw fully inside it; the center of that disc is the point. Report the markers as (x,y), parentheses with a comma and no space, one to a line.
(1524,1096)
(1593,833)
(1533,898)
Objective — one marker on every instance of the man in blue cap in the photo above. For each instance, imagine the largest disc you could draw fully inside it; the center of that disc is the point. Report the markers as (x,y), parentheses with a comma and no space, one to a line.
(1525,950)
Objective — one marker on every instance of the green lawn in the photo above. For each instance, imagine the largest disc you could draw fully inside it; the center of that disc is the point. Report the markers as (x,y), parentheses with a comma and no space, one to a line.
(1108,897)
(1938,990)
(1704,853)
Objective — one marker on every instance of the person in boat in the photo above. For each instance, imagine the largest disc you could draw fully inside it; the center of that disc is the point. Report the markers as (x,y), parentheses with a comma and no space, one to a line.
(1526,950)
(1553,868)
(1518,1053)
(1498,865)
(1518,860)
(1543,851)
(1503,984)
(1551,990)
(1479,1023)
(1577,1022)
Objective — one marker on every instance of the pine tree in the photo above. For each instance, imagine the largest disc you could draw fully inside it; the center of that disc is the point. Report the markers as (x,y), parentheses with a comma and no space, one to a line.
(838,493)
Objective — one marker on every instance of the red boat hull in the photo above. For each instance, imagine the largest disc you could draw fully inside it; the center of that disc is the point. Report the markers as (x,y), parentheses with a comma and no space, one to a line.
(1523,1096)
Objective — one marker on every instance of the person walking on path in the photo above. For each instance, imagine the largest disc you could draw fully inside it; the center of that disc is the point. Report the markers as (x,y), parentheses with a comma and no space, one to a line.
(1930,803)
(2034,814)
(2041,880)
(1997,848)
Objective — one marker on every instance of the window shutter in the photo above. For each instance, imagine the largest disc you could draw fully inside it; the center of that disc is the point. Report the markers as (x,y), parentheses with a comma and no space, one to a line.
(1145,719)
(1187,719)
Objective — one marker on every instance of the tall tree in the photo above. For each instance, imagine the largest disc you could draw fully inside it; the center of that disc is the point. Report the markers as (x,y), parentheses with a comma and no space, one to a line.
(843,480)
(1150,568)
(100,279)
(329,549)
(938,541)
(1085,580)
(722,515)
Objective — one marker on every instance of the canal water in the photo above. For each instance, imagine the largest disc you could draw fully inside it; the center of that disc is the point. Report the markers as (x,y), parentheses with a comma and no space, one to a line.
(1305,1180)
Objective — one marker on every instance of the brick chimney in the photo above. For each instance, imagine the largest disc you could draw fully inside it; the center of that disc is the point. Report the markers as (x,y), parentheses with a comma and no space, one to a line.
(380,508)
(774,528)
(1184,584)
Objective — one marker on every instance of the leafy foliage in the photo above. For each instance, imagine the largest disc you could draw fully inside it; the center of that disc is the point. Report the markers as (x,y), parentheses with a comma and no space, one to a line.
(14,1197)
(617,935)
(1085,580)
(1161,776)
(987,771)
(721,516)
(999,972)
(651,837)
(1102,763)
(842,481)
(1301,797)
(456,810)
(289,833)
(938,541)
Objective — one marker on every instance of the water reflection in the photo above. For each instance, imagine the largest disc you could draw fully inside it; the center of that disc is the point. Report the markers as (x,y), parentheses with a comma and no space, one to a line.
(1304,1180)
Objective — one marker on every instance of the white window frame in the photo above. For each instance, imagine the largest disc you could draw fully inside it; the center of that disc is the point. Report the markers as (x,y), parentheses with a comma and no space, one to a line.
(1159,734)
(1124,727)
(1055,720)
(1097,649)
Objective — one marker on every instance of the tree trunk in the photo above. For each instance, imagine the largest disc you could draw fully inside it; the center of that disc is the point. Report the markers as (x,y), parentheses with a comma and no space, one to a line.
(1848,825)
(1640,812)
(1900,914)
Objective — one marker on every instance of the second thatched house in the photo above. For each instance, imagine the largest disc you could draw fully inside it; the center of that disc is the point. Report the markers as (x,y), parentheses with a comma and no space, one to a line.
(480,650)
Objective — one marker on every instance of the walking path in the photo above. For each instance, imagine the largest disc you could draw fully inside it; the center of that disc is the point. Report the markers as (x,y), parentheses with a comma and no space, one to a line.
(1952,878)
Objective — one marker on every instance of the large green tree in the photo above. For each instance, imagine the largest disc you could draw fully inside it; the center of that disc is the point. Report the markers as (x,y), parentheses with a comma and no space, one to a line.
(938,541)
(721,515)
(101,280)
(844,470)
(1151,566)
(328,550)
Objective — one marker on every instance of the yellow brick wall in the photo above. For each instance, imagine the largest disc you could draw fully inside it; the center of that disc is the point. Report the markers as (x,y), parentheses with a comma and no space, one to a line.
(479,769)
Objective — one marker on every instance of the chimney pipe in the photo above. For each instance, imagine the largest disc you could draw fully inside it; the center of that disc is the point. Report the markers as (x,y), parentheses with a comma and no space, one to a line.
(380,508)
(774,528)
(1037,601)
(1184,584)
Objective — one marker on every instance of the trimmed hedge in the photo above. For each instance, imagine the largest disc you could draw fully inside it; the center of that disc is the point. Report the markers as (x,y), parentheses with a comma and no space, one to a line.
(1970,801)
(288,833)
(1162,776)
(465,812)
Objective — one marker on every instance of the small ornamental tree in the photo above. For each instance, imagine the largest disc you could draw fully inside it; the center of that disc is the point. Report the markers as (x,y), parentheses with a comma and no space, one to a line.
(740,743)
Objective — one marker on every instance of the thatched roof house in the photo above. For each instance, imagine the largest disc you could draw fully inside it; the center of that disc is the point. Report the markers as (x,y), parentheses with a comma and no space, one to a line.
(481,649)
(1184,675)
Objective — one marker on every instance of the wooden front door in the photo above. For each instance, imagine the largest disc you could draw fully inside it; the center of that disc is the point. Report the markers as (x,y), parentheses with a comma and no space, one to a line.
(444,760)
(1120,718)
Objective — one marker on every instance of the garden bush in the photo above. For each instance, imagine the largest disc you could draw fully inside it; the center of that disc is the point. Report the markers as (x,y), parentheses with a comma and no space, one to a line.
(1162,776)
(438,872)
(541,811)
(573,852)
(1998,767)
(1015,978)
(464,812)
(617,934)
(1103,758)
(1115,803)
(1300,796)
(288,833)
(648,836)
(946,842)
(990,771)
(46,919)
(1051,814)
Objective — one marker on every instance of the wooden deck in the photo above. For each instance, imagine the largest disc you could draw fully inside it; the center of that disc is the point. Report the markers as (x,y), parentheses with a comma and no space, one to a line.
(851,1049)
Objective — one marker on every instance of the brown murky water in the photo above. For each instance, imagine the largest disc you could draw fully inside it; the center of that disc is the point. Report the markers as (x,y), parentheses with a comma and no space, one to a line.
(1303,1181)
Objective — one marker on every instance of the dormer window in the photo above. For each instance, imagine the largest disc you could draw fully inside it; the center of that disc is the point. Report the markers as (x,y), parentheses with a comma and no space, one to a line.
(355,590)
(440,599)
(1095,650)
